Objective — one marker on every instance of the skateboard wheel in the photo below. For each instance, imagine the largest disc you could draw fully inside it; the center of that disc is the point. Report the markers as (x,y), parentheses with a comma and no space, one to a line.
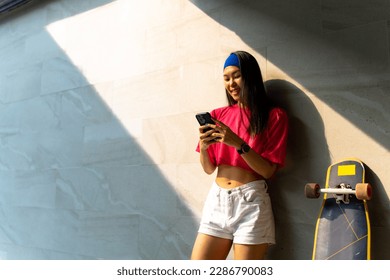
(363,191)
(312,190)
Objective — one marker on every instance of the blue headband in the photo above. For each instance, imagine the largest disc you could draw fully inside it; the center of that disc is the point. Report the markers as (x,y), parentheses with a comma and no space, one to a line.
(232,60)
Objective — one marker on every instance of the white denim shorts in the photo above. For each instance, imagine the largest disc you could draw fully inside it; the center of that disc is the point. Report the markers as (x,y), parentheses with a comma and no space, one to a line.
(242,214)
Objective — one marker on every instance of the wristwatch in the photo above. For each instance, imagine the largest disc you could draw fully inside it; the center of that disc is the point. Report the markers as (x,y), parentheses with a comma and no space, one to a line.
(244,149)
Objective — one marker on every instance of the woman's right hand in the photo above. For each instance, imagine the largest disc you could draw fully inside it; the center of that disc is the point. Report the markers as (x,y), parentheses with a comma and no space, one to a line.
(205,140)
(205,136)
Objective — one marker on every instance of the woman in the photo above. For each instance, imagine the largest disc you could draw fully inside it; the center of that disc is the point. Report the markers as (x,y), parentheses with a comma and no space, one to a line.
(246,146)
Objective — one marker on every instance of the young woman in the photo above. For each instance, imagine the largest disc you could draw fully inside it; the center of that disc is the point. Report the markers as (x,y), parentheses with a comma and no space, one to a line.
(246,146)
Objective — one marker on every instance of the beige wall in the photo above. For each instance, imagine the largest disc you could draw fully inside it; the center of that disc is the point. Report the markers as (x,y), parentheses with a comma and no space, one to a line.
(97,127)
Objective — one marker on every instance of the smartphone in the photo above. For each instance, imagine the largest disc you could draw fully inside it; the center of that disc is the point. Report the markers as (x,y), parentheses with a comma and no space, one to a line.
(203,119)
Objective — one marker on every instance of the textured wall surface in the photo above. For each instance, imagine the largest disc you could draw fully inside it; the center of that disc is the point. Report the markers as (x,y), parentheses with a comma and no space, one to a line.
(97,127)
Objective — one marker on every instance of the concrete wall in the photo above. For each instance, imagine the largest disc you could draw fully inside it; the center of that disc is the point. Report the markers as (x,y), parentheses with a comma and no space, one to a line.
(97,127)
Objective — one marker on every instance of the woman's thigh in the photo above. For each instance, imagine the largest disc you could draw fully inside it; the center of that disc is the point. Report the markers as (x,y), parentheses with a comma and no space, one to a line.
(250,252)
(207,247)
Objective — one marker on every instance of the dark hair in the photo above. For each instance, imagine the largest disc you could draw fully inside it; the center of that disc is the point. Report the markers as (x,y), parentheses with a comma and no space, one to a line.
(254,95)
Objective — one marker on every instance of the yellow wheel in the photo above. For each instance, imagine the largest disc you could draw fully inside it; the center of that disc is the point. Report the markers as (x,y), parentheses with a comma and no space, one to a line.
(312,190)
(363,191)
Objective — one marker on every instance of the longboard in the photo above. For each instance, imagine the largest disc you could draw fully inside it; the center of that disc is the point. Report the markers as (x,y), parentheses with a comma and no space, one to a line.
(343,225)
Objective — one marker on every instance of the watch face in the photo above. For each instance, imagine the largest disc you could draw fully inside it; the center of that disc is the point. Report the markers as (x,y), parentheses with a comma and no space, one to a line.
(245,148)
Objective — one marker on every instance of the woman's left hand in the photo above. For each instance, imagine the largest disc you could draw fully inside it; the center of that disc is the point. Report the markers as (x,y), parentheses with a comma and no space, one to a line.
(255,161)
(226,135)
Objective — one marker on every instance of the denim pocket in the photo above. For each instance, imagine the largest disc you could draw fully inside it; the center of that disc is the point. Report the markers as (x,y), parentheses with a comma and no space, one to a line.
(252,196)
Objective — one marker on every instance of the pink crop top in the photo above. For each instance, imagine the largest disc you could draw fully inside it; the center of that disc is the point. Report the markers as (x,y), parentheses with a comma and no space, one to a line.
(270,144)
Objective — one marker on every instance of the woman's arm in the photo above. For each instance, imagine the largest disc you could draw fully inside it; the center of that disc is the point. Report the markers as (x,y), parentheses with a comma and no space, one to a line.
(205,140)
(259,164)
(207,165)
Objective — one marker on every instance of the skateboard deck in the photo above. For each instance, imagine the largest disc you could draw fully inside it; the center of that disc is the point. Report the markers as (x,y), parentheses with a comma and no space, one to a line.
(343,225)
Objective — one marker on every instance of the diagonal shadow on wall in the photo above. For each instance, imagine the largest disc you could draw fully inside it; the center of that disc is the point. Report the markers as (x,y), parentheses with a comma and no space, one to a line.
(74,184)
(334,42)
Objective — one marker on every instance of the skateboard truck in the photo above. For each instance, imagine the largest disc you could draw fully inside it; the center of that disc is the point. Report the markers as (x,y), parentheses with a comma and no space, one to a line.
(344,197)
(342,191)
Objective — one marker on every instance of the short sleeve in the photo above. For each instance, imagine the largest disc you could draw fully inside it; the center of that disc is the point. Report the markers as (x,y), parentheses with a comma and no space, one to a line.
(275,148)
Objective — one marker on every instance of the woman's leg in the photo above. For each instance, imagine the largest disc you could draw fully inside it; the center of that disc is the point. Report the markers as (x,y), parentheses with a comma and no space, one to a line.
(209,247)
(250,252)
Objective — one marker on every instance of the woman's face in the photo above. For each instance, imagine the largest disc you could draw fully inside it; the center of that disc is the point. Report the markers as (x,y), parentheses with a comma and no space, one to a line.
(234,83)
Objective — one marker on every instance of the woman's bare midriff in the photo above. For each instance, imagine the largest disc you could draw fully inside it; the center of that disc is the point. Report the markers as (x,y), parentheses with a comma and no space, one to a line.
(229,177)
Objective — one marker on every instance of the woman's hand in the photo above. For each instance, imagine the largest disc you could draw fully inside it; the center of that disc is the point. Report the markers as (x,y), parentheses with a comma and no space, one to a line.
(206,137)
(223,134)
(205,140)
